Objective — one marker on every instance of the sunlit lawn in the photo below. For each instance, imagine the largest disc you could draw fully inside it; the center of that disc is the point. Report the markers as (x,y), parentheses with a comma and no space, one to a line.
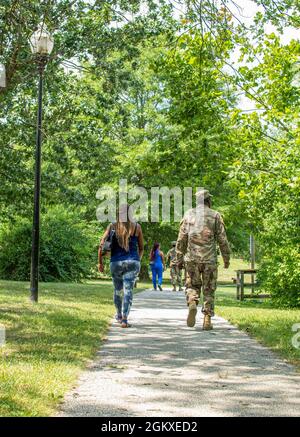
(48,343)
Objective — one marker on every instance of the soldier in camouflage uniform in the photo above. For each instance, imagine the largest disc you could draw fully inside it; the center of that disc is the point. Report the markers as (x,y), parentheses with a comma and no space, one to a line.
(175,271)
(201,230)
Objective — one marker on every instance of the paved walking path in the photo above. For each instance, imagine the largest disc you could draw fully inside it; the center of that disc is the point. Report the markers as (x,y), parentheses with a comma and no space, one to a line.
(159,367)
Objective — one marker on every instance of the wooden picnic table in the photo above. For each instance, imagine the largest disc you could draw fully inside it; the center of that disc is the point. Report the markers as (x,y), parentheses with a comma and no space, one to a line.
(241,285)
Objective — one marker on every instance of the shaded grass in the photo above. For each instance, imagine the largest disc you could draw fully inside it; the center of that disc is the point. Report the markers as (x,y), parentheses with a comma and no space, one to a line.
(47,344)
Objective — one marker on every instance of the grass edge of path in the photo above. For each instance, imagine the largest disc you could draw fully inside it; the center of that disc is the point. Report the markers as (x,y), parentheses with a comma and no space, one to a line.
(50,343)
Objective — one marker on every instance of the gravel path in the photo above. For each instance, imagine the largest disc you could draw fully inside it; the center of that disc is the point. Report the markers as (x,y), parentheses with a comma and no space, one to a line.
(159,367)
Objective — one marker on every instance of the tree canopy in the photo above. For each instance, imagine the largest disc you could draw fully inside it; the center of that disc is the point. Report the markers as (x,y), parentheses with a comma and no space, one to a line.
(153,92)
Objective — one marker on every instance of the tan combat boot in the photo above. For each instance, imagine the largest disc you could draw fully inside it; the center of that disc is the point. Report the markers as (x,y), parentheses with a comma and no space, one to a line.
(191,319)
(207,325)
(174,288)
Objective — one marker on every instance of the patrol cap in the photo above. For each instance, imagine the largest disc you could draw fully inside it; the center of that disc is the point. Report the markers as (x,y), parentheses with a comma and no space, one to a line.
(203,194)
(174,243)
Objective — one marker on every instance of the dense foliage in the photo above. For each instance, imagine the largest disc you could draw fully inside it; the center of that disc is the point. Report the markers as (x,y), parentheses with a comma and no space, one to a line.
(67,250)
(137,90)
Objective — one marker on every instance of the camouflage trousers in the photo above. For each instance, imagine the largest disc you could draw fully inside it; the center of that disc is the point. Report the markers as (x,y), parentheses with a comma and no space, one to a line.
(175,273)
(201,276)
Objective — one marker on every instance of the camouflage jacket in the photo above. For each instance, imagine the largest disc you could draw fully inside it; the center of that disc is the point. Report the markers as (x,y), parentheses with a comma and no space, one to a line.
(171,257)
(200,232)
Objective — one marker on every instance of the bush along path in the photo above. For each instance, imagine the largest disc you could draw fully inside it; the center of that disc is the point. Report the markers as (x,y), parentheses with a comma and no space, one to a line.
(159,367)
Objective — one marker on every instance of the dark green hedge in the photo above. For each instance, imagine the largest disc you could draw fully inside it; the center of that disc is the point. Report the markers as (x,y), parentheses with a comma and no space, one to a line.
(68,249)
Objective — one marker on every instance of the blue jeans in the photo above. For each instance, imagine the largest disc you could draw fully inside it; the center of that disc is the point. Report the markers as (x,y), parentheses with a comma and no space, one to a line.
(124,275)
(157,272)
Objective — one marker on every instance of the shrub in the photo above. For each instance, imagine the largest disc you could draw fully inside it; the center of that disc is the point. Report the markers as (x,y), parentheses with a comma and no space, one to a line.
(279,240)
(15,250)
(280,276)
(67,249)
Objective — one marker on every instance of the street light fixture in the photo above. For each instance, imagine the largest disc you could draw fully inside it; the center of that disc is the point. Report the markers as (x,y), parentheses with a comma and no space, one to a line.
(41,46)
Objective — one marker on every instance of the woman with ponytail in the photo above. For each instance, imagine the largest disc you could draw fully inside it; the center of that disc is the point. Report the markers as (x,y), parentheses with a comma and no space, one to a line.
(157,263)
(127,249)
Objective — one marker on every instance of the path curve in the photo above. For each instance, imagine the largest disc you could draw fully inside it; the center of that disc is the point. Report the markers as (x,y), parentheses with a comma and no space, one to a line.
(159,367)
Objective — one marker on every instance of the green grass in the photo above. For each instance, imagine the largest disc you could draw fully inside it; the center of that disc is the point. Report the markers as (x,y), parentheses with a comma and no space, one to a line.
(226,275)
(269,325)
(48,343)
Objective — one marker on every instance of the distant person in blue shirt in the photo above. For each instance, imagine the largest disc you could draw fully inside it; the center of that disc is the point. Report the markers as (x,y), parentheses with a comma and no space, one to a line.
(157,263)
(127,247)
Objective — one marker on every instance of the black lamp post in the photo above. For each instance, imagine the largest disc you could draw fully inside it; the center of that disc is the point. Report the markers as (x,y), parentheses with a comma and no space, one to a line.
(41,46)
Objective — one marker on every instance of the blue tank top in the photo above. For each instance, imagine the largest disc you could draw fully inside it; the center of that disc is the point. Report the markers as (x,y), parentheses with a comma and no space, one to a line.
(157,261)
(120,254)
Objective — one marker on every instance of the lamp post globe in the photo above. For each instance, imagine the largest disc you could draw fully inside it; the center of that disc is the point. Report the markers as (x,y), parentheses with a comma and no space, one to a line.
(41,43)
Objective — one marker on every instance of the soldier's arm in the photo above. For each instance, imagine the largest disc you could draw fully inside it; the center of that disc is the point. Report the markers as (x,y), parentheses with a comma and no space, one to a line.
(168,257)
(222,240)
(182,242)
